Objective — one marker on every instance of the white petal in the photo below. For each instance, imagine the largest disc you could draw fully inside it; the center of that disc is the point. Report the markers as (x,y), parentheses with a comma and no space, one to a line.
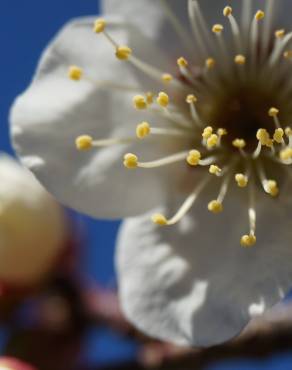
(193,284)
(48,117)
(33,229)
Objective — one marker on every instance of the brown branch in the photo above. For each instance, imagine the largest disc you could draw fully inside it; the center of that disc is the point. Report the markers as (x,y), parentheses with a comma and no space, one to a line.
(263,337)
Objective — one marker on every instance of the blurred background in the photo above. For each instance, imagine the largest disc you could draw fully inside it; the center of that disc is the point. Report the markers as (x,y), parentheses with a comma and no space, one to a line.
(70,319)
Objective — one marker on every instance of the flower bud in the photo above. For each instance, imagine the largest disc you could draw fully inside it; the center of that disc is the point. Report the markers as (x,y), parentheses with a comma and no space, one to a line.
(32,227)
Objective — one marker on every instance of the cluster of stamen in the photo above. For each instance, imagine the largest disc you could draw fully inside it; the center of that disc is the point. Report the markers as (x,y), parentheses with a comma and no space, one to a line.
(210,149)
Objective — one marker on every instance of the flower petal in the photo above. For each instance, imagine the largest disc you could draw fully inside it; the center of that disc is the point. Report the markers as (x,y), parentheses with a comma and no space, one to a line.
(193,284)
(54,110)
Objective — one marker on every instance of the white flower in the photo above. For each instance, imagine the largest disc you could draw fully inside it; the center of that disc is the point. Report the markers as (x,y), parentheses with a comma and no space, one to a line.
(211,114)
(32,226)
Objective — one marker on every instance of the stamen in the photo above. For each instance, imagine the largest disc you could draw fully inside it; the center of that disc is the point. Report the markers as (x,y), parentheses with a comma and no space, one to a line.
(192,100)
(208,131)
(140,102)
(161,220)
(240,59)
(227,12)
(194,157)
(149,98)
(75,73)
(132,161)
(279,49)
(143,130)
(240,144)
(166,77)
(278,136)
(212,141)
(249,240)
(123,52)
(274,112)
(216,206)
(286,154)
(84,142)
(255,34)
(217,28)
(221,132)
(163,99)
(224,59)
(264,140)
(215,170)
(269,186)
(99,25)
(279,34)
(242,180)
(183,67)
(210,63)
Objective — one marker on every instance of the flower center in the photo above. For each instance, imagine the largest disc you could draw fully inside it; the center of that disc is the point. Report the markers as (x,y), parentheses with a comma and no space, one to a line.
(230,108)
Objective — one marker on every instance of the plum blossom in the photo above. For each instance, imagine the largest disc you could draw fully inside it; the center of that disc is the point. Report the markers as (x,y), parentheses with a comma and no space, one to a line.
(174,115)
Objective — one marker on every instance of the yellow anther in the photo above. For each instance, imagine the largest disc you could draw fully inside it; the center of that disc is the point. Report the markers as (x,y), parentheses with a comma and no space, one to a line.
(143,130)
(140,102)
(149,98)
(240,59)
(273,112)
(190,99)
(84,142)
(242,180)
(288,131)
(217,28)
(123,52)
(215,206)
(279,34)
(130,161)
(278,135)
(248,241)
(212,141)
(75,73)
(210,63)
(215,170)
(259,15)
(286,154)
(221,132)
(263,136)
(159,219)
(239,143)
(166,77)
(288,54)
(227,11)
(163,99)
(208,131)
(194,158)
(182,62)
(99,25)
(271,188)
